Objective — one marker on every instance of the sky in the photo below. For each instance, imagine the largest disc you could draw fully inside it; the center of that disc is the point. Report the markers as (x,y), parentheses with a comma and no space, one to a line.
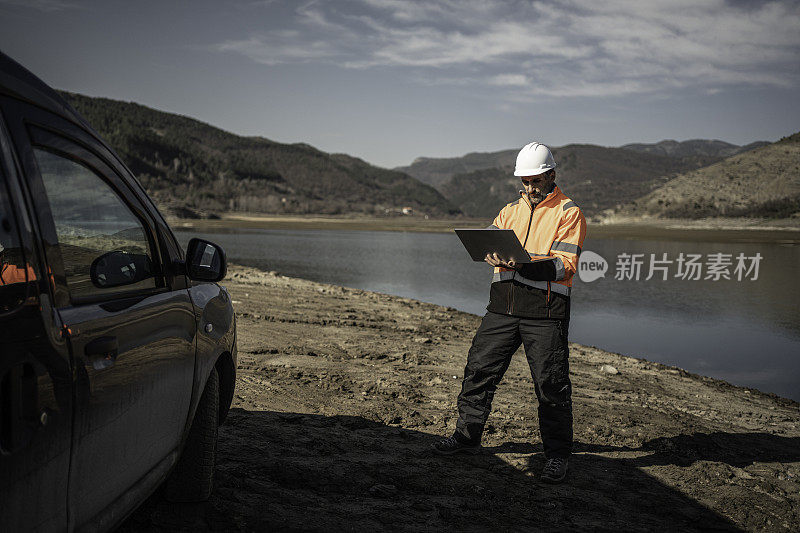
(392,80)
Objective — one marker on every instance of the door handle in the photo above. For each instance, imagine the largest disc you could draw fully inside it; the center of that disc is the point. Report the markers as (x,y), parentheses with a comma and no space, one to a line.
(102,352)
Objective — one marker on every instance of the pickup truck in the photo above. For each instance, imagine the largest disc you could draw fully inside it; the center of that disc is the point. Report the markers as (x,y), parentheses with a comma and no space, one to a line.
(117,351)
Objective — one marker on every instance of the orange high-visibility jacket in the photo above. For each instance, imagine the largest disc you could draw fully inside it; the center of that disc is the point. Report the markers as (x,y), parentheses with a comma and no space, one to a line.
(556,228)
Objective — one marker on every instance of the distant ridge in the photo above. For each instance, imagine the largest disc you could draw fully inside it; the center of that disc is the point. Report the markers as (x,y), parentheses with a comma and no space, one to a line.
(435,171)
(194,169)
(598,178)
(703,147)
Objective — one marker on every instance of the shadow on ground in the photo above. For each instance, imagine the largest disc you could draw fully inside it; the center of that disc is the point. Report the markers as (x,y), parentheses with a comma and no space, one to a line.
(290,471)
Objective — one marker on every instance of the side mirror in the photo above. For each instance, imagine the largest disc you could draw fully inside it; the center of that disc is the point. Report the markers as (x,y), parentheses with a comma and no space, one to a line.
(114,269)
(205,261)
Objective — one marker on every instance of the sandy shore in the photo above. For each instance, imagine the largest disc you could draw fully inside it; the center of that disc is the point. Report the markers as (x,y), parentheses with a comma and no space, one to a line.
(341,392)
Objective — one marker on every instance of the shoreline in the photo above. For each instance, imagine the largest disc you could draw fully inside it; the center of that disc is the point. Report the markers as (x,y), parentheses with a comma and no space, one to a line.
(340,393)
(243,271)
(714,230)
(322,222)
(640,357)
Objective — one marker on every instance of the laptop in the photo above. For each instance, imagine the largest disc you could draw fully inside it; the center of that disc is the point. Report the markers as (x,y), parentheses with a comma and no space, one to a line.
(504,242)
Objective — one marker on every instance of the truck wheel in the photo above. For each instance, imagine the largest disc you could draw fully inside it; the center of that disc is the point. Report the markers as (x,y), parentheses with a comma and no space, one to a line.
(193,476)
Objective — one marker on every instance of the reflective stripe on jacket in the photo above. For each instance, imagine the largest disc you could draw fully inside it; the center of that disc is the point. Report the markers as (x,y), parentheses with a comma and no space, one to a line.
(554,228)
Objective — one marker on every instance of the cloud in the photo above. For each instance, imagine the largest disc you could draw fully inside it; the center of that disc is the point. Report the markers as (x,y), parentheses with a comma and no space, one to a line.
(573,48)
(510,80)
(47,6)
(259,50)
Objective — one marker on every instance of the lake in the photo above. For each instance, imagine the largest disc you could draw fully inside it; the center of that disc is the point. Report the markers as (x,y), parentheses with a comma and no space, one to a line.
(746,332)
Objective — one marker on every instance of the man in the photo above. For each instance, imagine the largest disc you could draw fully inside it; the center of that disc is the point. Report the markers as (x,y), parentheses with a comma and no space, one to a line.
(529,305)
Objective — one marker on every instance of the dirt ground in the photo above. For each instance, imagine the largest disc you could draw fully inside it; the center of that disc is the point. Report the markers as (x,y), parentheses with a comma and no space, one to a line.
(341,392)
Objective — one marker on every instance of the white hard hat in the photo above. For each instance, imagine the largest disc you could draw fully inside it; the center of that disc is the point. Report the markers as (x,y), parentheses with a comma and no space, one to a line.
(534,159)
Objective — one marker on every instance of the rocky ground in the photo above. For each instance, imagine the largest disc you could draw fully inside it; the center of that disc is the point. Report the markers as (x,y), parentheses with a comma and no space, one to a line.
(341,392)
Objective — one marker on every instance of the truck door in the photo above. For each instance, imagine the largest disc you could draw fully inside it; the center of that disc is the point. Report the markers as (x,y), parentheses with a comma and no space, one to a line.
(131,334)
(36,404)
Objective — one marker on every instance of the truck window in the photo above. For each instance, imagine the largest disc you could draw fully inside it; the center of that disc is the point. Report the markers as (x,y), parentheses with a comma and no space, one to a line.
(91,221)
(15,272)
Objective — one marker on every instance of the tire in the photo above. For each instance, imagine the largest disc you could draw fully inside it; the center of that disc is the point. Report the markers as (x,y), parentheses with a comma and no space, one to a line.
(193,477)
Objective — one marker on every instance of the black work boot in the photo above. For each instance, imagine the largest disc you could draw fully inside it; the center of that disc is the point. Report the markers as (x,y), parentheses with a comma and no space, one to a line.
(451,445)
(555,470)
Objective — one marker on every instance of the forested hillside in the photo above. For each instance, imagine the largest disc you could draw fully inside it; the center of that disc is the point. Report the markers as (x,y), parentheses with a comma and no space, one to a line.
(191,168)
(760,183)
(596,177)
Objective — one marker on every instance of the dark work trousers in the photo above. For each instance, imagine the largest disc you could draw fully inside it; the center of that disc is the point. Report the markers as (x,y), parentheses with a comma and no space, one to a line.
(496,340)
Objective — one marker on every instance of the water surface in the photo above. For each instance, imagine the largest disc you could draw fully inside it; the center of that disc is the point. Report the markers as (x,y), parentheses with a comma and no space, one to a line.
(746,332)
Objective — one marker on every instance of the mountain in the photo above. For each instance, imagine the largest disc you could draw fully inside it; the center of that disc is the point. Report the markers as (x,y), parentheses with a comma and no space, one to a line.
(596,177)
(435,171)
(764,182)
(188,166)
(701,147)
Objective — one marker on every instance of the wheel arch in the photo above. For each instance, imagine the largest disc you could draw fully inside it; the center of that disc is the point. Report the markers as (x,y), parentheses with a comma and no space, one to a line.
(226,369)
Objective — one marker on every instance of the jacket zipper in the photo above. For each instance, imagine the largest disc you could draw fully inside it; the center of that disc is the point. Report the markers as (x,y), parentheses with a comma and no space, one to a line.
(511,285)
(530,220)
